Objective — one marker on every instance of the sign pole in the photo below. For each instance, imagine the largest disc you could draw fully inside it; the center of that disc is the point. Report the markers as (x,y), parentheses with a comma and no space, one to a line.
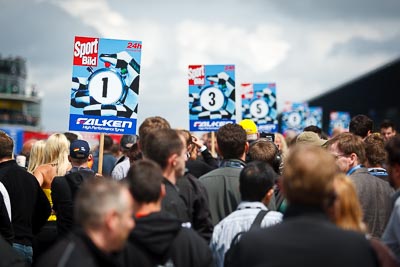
(101,151)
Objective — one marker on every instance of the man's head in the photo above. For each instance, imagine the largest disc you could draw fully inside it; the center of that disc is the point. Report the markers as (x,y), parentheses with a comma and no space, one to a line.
(387,129)
(375,150)
(232,141)
(108,143)
(393,160)
(126,142)
(256,181)
(104,209)
(27,147)
(167,148)
(251,129)
(79,152)
(266,151)
(6,146)
(308,176)
(150,124)
(348,149)
(361,125)
(145,181)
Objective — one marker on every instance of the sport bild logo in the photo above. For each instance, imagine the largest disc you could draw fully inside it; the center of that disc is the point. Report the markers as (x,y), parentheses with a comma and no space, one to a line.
(196,75)
(86,51)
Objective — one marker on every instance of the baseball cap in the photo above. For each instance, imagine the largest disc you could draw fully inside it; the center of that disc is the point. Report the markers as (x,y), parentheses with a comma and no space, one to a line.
(250,127)
(79,149)
(127,140)
(310,138)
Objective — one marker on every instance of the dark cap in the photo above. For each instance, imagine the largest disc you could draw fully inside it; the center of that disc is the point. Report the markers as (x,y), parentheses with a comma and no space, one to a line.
(127,140)
(79,149)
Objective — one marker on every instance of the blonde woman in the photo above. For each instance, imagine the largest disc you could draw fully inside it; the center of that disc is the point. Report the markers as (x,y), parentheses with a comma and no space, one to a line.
(280,142)
(55,160)
(36,157)
(56,163)
(347,214)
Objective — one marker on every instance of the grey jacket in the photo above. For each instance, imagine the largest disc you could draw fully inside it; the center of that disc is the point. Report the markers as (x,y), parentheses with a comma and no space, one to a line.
(375,198)
(222,187)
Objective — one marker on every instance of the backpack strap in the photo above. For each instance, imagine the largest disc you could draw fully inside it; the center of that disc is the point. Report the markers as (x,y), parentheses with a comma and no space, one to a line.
(257,221)
(256,224)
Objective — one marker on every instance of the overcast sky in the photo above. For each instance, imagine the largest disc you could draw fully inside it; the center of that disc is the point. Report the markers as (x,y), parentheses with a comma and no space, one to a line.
(306,47)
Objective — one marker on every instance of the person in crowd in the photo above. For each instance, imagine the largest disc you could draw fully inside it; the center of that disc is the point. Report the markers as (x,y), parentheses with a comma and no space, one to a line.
(347,214)
(195,196)
(222,184)
(256,189)
(373,193)
(306,236)
(266,151)
(387,129)
(6,230)
(29,206)
(166,148)
(391,236)
(148,125)
(36,157)
(361,125)
(310,138)
(251,129)
(184,198)
(376,156)
(55,164)
(108,158)
(122,165)
(157,232)
(196,166)
(315,129)
(280,142)
(72,136)
(64,188)
(26,150)
(134,154)
(104,212)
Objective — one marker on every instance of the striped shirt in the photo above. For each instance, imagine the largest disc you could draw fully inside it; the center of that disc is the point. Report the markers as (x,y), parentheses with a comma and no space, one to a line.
(238,221)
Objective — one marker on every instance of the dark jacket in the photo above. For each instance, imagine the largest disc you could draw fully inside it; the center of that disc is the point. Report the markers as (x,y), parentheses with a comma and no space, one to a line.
(375,199)
(202,166)
(164,240)
(78,250)
(63,191)
(306,237)
(174,203)
(6,230)
(29,205)
(195,196)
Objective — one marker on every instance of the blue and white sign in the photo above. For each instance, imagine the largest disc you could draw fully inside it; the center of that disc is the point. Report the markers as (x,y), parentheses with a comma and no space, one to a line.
(259,104)
(211,97)
(105,85)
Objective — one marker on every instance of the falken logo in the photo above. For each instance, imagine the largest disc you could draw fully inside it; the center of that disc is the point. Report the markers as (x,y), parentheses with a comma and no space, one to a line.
(209,124)
(104,123)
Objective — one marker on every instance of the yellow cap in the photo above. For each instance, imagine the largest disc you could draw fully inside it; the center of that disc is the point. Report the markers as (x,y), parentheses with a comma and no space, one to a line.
(249,126)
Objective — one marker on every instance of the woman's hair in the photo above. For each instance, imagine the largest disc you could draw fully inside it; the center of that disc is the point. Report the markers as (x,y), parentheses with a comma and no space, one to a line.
(56,152)
(281,143)
(347,212)
(36,156)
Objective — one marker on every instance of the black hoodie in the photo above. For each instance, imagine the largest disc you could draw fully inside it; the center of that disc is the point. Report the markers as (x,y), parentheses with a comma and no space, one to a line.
(63,191)
(165,241)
